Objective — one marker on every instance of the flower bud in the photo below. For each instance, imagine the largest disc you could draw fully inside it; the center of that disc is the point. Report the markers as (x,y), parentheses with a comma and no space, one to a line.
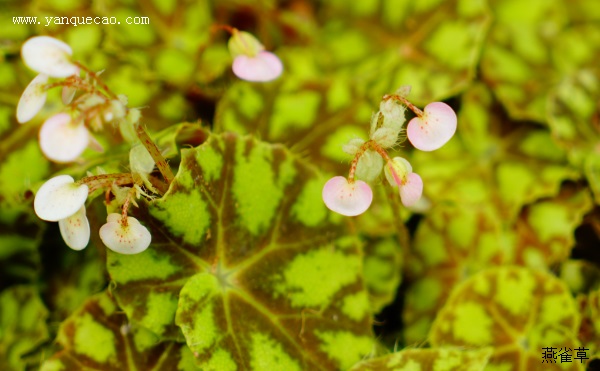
(244,43)
(385,137)
(369,166)
(397,170)
(353,146)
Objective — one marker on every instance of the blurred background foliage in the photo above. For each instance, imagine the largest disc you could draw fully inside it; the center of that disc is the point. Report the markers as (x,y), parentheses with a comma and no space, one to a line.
(502,253)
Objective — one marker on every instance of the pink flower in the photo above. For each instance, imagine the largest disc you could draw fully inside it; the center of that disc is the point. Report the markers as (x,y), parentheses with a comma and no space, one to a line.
(434,128)
(349,199)
(251,61)
(63,140)
(399,174)
(265,66)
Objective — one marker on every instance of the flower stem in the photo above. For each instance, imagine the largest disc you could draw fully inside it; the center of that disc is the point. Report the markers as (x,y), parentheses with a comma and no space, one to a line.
(404,101)
(77,84)
(98,80)
(158,158)
(370,144)
(95,182)
(228,28)
(125,208)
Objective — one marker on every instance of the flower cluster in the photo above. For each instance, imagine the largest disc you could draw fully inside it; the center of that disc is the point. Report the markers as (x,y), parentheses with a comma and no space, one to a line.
(62,200)
(64,136)
(429,130)
(89,105)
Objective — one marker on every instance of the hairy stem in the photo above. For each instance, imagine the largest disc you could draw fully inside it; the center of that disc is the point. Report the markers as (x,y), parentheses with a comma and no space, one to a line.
(404,101)
(98,80)
(158,158)
(370,144)
(95,182)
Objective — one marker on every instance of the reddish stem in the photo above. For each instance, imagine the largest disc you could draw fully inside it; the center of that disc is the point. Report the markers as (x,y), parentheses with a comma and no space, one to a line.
(225,27)
(98,80)
(125,208)
(95,182)
(404,101)
(158,158)
(370,144)
(76,85)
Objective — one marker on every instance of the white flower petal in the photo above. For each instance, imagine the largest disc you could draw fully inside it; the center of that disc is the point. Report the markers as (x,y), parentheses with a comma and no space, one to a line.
(113,217)
(32,100)
(59,198)
(412,190)
(434,129)
(265,66)
(345,198)
(61,140)
(75,230)
(49,56)
(132,238)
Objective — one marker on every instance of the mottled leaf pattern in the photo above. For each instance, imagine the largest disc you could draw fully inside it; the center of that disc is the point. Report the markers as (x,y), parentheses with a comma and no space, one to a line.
(491,217)
(248,269)
(390,44)
(98,337)
(316,120)
(245,271)
(435,359)
(516,310)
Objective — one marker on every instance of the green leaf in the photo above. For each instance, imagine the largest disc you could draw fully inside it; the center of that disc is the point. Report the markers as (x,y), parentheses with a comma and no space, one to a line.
(74,275)
(517,57)
(516,310)
(454,242)
(22,326)
(312,118)
(383,263)
(497,159)
(573,108)
(98,337)
(248,262)
(435,359)
(432,46)
(332,113)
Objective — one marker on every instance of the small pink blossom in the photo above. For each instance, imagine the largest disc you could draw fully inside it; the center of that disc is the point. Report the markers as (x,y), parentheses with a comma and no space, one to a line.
(47,55)
(412,190)
(349,199)
(434,128)
(251,61)
(265,66)
(32,100)
(63,140)
(410,185)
